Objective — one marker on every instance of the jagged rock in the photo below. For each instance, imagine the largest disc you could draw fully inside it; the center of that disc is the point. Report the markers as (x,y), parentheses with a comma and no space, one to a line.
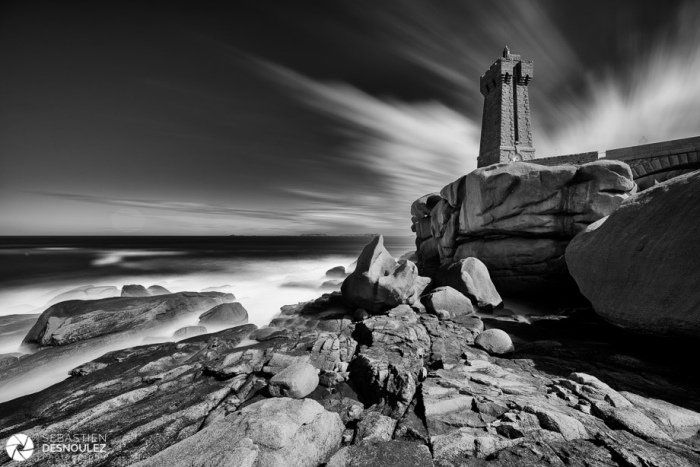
(189,331)
(273,432)
(383,454)
(297,380)
(392,349)
(638,267)
(470,277)
(134,290)
(226,314)
(379,282)
(450,338)
(73,321)
(495,341)
(336,272)
(447,299)
(373,427)
(157,290)
(411,427)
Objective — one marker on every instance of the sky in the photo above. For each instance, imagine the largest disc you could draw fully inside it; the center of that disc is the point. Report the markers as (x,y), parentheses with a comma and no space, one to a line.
(289,117)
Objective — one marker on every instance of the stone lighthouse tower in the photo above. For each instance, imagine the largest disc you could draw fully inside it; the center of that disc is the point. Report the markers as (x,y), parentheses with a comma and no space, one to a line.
(505,127)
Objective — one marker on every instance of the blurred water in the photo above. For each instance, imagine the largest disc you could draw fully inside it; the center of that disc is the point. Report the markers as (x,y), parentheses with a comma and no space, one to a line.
(264,273)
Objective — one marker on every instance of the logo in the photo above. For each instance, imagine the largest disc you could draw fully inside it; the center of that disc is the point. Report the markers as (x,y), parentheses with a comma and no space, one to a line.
(20,447)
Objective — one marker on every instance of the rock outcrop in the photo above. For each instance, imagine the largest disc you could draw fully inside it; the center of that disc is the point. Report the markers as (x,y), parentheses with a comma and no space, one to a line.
(639,266)
(274,432)
(226,314)
(76,331)
(379,283)
(404,387)
(517,219)
(76,320)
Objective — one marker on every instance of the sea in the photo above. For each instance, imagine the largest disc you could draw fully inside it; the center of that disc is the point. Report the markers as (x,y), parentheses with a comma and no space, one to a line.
(264,273)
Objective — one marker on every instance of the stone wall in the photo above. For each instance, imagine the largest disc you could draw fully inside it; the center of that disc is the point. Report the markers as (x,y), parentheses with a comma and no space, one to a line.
(644,160)
(571,159)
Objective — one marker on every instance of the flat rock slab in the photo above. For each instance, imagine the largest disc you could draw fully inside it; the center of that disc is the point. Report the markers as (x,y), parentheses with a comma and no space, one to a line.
(72,321)
(274,432)
(383,454)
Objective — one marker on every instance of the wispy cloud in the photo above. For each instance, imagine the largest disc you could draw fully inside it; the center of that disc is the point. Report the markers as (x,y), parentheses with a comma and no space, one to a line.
(323,213)
(657,99)
(413,148)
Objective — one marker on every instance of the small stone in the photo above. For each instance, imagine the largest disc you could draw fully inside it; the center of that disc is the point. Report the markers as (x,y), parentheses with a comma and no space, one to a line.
(348,436)
(495,341)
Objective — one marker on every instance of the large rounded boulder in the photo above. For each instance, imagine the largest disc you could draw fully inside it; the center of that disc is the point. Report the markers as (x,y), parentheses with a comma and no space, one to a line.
(448,300)
(640,266)
(297,380)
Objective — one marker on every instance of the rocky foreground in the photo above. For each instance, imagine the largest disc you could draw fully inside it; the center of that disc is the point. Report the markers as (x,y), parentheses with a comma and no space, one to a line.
(400,369)
(444,377)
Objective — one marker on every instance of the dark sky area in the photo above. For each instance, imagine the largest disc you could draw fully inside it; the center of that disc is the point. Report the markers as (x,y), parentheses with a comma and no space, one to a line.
(284,117)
